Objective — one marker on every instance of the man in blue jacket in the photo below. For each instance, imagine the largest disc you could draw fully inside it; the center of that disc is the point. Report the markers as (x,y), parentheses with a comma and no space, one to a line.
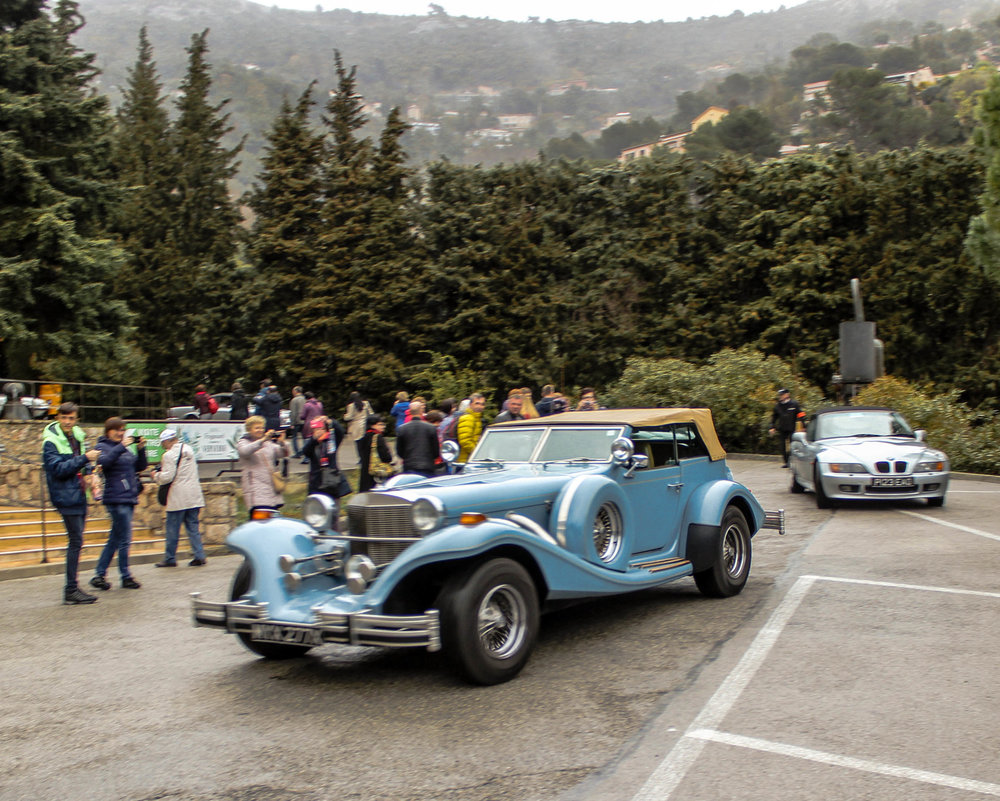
(67,465)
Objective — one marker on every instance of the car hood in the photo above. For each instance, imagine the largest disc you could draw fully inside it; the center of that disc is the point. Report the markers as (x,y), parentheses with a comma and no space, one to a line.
(869,450)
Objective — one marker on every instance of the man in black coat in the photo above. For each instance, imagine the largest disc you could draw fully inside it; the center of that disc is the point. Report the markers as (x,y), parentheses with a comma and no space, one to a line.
(786,414)
(417,445)
(269,407)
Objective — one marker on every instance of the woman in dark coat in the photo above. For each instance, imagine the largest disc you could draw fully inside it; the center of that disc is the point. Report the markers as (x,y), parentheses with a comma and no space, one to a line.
(376,431)
(121,460)
(325,436)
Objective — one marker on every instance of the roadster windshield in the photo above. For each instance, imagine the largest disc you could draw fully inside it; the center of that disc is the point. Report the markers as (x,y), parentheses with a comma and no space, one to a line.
(562,443)
(862,424)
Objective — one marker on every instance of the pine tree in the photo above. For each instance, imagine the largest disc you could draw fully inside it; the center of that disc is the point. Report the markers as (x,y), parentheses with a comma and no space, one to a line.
(203,232)
(206,218)
(58,268)
(145,165)
(283,247)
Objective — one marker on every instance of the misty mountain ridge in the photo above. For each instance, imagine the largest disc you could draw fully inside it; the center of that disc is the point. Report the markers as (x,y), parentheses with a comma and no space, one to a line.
(456,74)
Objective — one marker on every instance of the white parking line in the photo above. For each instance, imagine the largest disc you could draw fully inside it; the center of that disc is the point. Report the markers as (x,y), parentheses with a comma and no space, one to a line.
(896,585)
(672,770)
(840,761)
(675,766)
(966,529)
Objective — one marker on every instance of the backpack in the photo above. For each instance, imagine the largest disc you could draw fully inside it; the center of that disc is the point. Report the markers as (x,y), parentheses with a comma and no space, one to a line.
(451,432)
(213,405)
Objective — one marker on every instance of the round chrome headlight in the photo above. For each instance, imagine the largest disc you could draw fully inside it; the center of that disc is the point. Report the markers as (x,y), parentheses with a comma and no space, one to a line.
(427,514)
(622,450)
(317,511)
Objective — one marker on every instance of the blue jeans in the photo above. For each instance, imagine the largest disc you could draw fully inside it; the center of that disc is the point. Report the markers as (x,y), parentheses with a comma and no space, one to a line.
(119,539)
(74,531)
(173,533)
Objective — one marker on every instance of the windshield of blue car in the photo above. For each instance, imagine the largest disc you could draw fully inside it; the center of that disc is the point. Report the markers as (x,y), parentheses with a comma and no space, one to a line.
(557,444)
(862,424)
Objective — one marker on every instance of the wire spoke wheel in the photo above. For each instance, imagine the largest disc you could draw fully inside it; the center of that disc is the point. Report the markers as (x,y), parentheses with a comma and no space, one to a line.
(502,616)
(608,532)
(489,620)
(731,568)
(734,551)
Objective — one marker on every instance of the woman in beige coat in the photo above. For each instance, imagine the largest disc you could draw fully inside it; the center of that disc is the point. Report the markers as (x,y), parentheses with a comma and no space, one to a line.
(259,450)
(355,416)
(179,469)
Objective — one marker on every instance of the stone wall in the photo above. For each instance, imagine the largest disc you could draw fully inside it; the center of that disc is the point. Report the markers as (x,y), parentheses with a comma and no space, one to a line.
(22,483)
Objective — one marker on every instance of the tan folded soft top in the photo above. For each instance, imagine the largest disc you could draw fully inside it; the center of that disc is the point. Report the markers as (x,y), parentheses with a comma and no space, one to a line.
(637,418)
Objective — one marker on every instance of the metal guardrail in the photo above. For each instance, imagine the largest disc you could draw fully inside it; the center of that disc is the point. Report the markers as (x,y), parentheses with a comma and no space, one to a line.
(100,401)
(42,493)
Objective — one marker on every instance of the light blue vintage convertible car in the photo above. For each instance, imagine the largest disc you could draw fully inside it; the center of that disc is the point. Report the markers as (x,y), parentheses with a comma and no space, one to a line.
(546,511)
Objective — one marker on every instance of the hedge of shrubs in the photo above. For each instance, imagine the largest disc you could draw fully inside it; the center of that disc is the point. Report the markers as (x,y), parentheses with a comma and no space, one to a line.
(740,387)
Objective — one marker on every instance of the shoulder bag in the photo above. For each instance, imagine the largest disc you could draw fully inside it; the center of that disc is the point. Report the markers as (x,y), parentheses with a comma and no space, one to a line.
(378,469)
(164,491)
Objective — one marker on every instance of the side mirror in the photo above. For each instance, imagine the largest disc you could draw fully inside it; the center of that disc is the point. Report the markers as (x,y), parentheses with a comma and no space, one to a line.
(450,451)
(799,436)
(920,434)
(639,462)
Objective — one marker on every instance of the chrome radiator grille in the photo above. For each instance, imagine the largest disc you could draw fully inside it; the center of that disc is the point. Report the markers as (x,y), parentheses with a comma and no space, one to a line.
(377,521)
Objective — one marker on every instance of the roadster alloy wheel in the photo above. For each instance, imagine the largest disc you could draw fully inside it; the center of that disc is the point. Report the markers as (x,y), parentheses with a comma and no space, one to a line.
(822,501)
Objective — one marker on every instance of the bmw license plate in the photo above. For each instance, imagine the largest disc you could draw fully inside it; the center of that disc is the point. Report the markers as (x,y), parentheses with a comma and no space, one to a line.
(903,483)
(291,635)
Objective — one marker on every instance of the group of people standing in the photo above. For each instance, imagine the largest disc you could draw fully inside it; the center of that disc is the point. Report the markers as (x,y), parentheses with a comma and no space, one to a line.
(110,472)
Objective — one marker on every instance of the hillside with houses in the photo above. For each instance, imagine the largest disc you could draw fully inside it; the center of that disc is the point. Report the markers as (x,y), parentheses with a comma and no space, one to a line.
(482,91)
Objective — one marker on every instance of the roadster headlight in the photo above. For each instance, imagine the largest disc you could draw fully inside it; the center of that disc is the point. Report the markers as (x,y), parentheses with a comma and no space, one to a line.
(622,450)
(317,511)
(929,467)
(427,514)
(847,467)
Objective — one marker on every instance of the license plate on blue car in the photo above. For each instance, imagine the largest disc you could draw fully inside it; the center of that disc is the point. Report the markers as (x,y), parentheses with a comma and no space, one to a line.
(290,635)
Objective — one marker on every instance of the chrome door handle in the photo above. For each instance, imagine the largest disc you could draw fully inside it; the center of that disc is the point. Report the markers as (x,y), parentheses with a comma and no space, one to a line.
(676,486)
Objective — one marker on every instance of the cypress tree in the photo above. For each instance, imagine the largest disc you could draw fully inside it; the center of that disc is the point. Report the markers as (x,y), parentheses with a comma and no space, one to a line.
(983,240)
(57,264)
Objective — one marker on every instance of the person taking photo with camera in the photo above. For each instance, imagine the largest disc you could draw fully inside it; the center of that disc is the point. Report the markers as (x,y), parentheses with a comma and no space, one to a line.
(259,451)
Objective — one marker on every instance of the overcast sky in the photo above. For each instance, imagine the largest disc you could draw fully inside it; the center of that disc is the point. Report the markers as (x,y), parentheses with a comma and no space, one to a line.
(520,10)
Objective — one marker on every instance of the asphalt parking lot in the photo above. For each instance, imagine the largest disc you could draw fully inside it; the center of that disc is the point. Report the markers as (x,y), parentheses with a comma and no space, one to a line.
(860,662)
(874,675)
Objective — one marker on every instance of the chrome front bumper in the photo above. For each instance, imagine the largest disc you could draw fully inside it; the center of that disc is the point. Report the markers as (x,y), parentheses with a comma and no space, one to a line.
(349,628)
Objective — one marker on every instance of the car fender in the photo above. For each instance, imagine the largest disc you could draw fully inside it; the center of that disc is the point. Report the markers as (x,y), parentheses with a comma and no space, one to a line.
(703,518)
(571,521)
(262,544)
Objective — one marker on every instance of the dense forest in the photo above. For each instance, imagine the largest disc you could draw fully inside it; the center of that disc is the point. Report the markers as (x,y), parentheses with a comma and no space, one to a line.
(122,257)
